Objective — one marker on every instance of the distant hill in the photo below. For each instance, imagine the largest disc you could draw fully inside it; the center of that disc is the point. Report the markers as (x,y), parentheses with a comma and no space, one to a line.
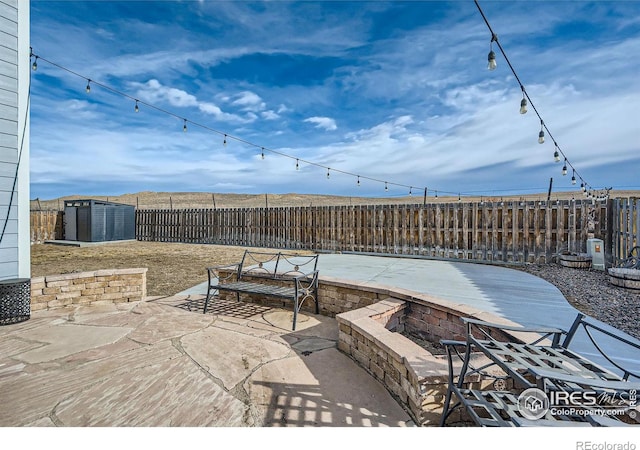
(184,200)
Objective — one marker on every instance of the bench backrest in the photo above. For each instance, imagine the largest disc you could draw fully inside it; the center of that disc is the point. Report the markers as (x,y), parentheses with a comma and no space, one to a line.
(276,265)
(602,335)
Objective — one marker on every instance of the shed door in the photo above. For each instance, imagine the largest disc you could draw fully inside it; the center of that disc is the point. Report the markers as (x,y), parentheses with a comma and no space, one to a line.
(70,223)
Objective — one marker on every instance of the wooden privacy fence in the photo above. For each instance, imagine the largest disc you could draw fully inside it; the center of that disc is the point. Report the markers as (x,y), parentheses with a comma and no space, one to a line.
(625,222)
(46,225)
(490,231)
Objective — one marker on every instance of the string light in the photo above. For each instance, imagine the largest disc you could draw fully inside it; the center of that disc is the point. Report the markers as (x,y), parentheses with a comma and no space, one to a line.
(523,103)
(436,194)
(224,142)
(526,100)
(297,164)
(564,168)
(34,66)
(262,152)
(459,199)
(492,64)
(328,175)
(136,108)
(358,183)
(410,191)
(184,127)
(573,177)
(541,134)
(88,88)
(386,188)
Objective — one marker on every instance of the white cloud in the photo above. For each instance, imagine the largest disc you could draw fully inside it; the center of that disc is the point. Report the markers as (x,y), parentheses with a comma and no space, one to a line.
(249,101)
(269,115)
(325,123)
(154,92)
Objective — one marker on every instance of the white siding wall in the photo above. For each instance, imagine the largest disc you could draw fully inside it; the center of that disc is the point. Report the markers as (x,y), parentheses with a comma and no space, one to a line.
(14,123)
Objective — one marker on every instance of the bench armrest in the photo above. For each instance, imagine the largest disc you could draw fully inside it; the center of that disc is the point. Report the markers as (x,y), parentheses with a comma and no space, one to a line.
(214,274)
(483,327)
(555,376)
(547,330)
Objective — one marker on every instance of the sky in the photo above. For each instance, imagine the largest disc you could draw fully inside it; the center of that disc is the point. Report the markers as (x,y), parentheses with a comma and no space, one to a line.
(394,95)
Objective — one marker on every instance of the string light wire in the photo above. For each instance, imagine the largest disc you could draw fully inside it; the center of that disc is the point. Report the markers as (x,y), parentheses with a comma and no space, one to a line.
(543,126)
(263,149)
(225,136)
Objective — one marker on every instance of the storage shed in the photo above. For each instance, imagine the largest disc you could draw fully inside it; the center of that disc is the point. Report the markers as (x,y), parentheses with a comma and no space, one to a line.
(98,221)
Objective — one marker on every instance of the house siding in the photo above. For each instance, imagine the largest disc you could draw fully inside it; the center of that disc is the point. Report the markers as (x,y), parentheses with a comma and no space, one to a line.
(14,123)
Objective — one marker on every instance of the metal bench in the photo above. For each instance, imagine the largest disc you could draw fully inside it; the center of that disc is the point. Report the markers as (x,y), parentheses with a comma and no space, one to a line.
(278,275)
(534,358)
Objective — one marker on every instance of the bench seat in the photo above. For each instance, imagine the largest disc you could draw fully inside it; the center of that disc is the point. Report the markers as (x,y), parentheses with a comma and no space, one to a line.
(279,275)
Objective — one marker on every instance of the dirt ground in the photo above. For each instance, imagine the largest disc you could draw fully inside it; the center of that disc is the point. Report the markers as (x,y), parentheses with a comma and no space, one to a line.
(173,267)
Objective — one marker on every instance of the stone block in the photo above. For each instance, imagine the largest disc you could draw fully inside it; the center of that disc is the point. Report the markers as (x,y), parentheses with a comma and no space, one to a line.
(68,295)
(93,291)
(72,288)
(362,359)
(343,347)
(53,284)
(111,290)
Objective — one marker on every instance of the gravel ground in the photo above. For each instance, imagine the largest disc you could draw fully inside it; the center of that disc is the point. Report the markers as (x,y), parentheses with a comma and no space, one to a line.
(589,291)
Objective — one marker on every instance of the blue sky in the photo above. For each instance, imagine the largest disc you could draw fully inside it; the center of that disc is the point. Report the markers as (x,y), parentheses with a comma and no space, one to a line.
(391,91)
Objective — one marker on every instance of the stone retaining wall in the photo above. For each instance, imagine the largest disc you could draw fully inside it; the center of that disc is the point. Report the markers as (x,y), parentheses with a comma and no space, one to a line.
(414,376)
(114,286)
(370,318)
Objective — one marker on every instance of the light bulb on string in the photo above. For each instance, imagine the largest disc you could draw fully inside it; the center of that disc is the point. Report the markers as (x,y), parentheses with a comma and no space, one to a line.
(386,188)
(436,194)
(262,153)
(459,199)
(358,182)
(297,165)
(541,134)
(564,168)
(224,141)
(136,108)
(410,191)
(34,66)
(491,58)
(573,177)
(328,175)
(184,127)
(523,103)
(88,88)
(556,154)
